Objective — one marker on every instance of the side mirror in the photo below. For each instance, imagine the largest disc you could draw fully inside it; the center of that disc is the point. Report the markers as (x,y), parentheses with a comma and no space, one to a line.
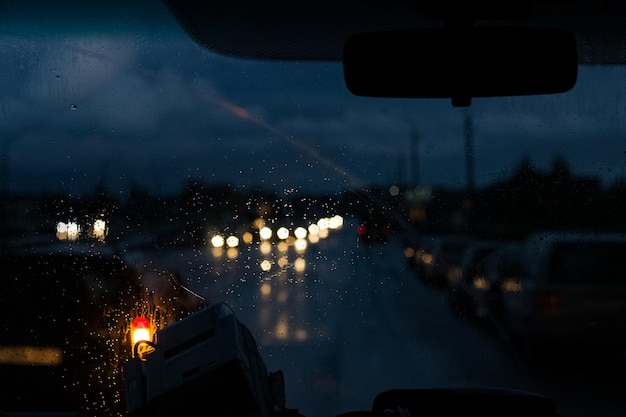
(461,63)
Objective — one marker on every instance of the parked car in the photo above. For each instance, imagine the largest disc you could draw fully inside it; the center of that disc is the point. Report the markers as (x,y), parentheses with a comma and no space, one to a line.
(458,299)
(442,258)
(417,252)
(481,290)
(573,295)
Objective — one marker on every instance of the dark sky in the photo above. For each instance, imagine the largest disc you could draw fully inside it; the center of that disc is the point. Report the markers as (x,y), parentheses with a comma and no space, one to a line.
(134,108)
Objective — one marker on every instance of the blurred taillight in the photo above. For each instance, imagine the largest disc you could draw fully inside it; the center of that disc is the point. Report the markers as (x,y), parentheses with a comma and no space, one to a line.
(551,302)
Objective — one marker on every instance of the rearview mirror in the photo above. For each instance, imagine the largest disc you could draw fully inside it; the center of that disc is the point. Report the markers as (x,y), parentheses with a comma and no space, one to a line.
(461,63)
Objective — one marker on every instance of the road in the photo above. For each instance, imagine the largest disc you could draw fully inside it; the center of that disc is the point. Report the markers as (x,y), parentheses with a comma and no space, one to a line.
(345,321)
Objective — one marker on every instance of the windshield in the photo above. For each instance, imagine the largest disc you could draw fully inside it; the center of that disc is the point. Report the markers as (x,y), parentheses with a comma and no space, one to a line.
(144,176)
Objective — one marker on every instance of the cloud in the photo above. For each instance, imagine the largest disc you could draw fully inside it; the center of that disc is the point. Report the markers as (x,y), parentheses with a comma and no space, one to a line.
(72,70)
(175,111)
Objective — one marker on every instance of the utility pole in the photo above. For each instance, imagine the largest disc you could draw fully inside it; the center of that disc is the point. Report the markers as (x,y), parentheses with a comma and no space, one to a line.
(469,152)
(414,156)
(401,167)
(4,166)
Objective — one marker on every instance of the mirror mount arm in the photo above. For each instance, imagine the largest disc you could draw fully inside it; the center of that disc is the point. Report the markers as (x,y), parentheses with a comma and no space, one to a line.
(462,28)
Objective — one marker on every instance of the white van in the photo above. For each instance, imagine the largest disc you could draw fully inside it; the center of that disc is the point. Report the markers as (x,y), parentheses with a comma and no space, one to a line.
(573,294)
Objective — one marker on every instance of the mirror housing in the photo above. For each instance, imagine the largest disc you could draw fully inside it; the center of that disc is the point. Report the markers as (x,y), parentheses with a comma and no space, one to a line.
(461,63)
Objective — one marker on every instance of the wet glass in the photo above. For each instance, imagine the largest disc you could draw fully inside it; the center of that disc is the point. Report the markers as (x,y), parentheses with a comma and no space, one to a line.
(207,178)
